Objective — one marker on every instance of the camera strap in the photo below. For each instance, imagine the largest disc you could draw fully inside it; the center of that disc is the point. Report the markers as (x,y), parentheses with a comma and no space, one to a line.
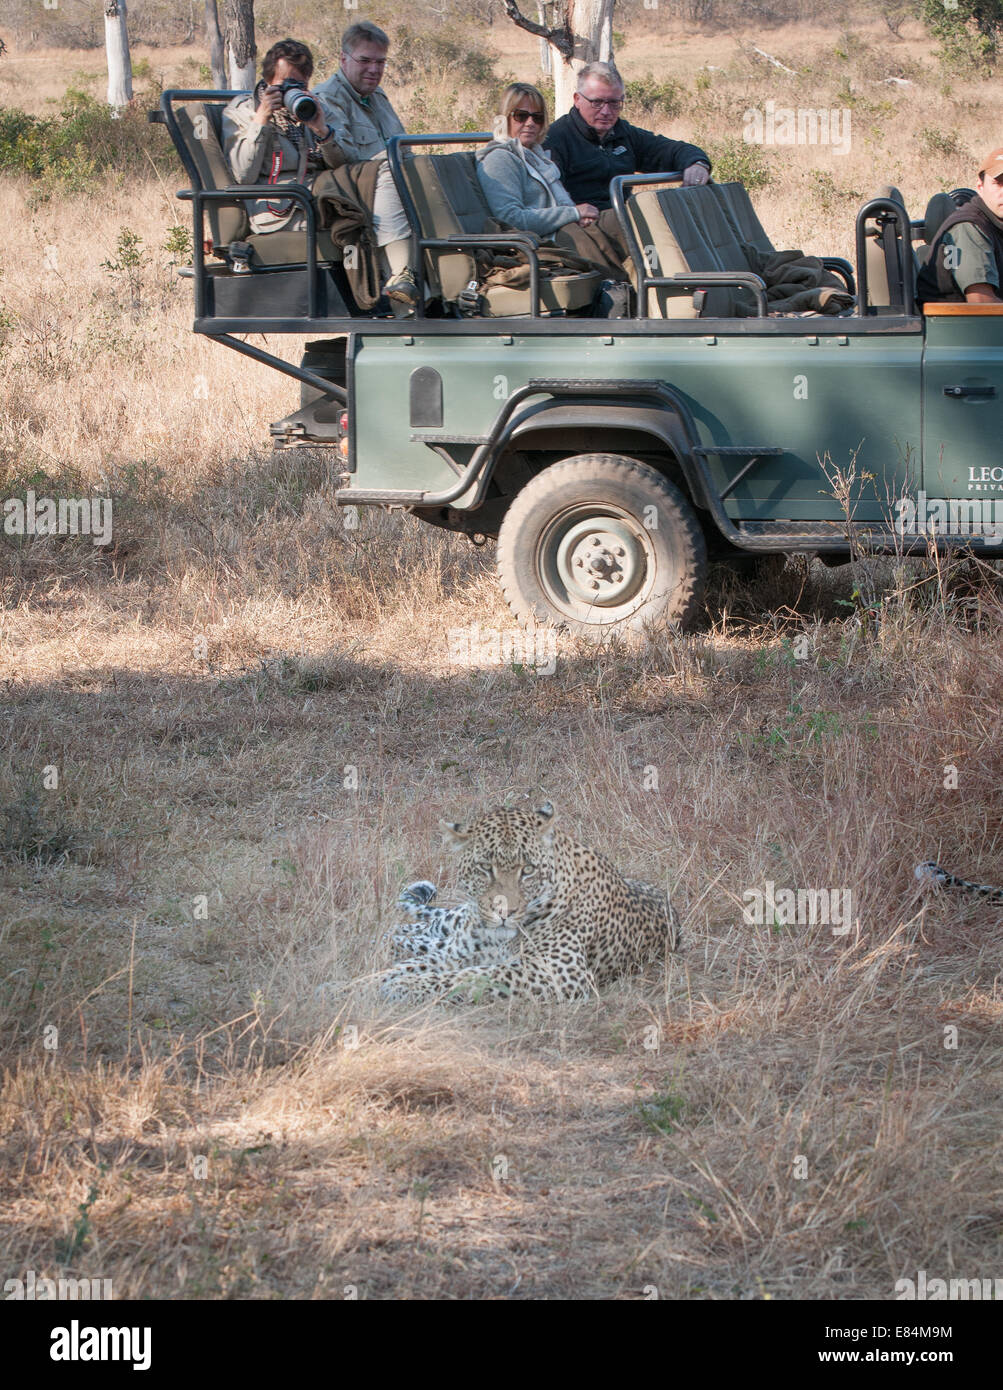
(286,208)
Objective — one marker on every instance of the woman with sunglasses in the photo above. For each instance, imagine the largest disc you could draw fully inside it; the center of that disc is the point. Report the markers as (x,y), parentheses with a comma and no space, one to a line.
(520,181)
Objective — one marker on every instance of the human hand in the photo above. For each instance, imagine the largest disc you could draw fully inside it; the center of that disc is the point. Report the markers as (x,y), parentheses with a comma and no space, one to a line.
(319,123)
(695,174)
(587,214)
(271,100)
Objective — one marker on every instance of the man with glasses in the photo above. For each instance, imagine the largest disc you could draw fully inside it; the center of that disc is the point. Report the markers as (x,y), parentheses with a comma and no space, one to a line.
(592,144)
(363,120)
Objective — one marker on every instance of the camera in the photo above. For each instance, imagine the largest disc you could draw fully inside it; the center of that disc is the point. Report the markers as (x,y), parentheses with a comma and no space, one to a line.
(296,99)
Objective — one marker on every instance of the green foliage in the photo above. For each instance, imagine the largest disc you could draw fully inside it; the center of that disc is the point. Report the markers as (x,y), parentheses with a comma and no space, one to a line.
(128,266)
(69,152)
(738,162)
(662,1113)
(970,32)
(178,244)
(648,96)
(943,143)
(421,54)
(830,196)
(27,833)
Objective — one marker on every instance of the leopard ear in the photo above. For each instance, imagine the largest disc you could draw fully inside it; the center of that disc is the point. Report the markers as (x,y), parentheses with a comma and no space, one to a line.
(453,834)
(544,814)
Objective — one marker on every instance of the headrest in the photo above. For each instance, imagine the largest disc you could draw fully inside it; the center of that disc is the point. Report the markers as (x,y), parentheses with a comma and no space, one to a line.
(938,210)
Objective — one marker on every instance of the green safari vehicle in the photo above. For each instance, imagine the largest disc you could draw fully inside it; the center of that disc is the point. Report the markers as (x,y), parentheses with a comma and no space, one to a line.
(613,458)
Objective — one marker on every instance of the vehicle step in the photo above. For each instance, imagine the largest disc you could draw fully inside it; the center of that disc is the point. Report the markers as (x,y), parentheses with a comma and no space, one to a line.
(449,439)
(739,450)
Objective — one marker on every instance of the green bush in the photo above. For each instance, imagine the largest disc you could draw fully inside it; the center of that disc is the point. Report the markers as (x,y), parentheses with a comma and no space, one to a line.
(425,54)
(970,32)
(942,143)
(737,162)
(66,153)
(647,96)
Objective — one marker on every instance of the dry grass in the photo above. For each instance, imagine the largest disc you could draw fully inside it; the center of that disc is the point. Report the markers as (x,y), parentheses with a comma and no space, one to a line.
(195,908)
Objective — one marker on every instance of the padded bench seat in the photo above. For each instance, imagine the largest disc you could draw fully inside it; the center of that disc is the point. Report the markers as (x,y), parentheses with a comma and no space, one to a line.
(694,230)
(449,202)
(200,126)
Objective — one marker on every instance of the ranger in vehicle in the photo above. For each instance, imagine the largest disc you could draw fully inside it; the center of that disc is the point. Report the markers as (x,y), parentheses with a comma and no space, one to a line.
(611,459)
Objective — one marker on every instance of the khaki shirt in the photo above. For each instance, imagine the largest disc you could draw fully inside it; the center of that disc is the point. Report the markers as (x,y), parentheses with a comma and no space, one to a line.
(361,128)
(969,256)
(252,151)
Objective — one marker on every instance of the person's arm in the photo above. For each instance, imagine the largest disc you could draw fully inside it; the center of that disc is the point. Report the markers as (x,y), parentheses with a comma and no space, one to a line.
(968,254)
(501,179)
(982,294)
(246,142)
(657,154)
(336,106)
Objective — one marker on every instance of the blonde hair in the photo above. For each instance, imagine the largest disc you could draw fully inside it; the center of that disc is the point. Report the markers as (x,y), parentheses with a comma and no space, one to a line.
(518,91)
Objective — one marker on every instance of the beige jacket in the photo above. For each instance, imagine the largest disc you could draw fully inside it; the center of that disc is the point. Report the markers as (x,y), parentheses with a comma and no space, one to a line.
(361,129)
(262,154)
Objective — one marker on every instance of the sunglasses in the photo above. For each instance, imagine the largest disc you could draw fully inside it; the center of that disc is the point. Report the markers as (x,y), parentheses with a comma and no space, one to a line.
(523,116)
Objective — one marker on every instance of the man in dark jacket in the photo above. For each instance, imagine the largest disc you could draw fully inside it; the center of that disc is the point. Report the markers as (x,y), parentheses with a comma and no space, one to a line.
(591,144)
(965,264)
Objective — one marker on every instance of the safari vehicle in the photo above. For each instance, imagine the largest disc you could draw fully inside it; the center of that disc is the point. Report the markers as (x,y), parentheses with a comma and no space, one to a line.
(611,458)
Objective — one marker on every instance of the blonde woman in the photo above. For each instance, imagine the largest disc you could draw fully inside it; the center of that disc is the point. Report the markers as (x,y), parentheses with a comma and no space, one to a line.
(520,180)
(523,186)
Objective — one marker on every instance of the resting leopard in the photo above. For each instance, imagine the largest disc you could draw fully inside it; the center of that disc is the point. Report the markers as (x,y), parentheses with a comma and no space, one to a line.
(933,873)
(545,917)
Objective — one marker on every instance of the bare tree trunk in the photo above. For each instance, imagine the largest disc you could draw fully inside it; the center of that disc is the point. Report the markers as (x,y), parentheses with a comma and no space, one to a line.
(546,64)
(116,40)
(241,50)
(586,36)
(215,45)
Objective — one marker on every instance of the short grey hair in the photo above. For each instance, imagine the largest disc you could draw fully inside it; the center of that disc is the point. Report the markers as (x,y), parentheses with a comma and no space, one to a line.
(603,72)
(364,30)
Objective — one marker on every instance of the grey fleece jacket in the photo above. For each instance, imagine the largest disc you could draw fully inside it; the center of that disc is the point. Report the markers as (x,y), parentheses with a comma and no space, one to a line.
(523,187)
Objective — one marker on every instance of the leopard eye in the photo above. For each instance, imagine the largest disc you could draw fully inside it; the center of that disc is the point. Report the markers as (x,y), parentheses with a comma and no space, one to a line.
(529,871)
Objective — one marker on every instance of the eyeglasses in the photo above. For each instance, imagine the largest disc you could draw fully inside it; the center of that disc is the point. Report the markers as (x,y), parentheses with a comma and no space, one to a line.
(366,62)
(597,103)
(523,116)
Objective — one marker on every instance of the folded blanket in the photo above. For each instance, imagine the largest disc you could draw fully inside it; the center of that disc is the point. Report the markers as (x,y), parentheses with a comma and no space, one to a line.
(344,199)
(796,282)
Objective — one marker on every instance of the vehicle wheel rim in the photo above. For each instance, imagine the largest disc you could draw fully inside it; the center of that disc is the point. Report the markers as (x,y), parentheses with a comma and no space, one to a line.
(596,563)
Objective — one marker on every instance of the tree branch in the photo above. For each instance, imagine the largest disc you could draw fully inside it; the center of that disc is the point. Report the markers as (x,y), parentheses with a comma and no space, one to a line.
(559,38)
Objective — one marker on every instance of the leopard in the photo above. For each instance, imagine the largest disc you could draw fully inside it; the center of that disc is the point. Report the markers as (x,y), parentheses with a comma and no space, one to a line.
(446,935)
(544,917)
(931,873)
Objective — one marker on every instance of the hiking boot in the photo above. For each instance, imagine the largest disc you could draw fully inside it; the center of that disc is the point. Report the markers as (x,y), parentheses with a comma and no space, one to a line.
(613,300)
(402,288)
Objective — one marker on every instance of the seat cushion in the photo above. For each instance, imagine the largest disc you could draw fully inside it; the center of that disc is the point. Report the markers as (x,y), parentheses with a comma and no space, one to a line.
(449,201)
(735,203)
(197,126)
(558,295)
(289,248)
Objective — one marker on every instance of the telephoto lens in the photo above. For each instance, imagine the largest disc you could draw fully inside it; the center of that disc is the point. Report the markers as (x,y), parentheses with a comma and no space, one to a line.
(298,102)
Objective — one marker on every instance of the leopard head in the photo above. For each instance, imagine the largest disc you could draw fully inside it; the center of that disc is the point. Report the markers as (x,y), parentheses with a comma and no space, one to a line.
(506,859)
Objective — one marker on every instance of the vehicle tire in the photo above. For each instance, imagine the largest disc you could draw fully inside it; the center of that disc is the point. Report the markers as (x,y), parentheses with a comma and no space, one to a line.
(600,542)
